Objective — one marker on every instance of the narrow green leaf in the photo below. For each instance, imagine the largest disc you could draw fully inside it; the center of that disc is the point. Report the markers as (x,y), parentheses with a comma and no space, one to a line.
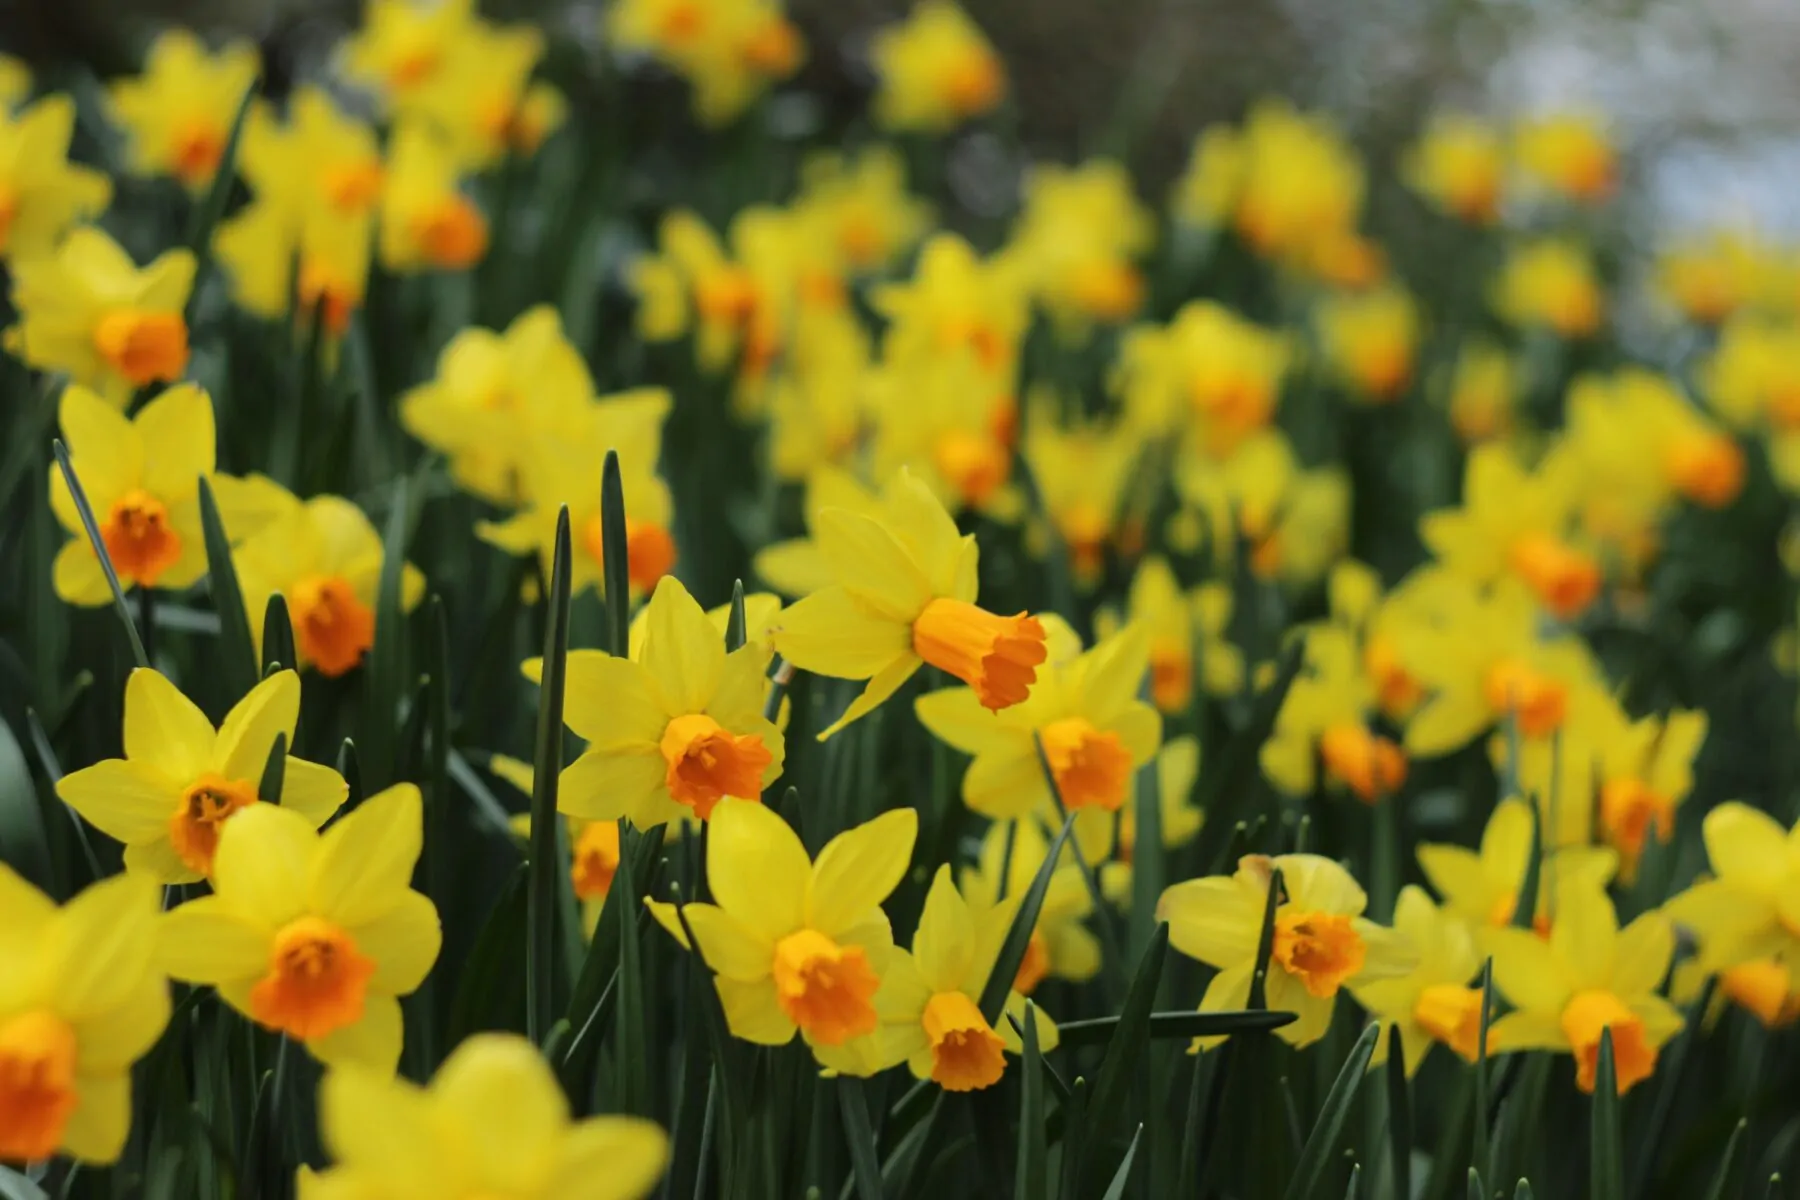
(1483,1114)
(490,992)
(546,868)
(85,511)
(24,839)
(1188,1164)
(1671,1071)
(1116,1189)
(1399,1095)
(737,625)
(439,804)
(237,652)
(1179,1024)
(1321,1144)
(1523,1191)
(14,1186)
(1728,1182)
(859,1135)
(1265,944)
(629,1040)
(1226,782)
(1525,906)
(351,770)
(718,1032)
(274,774)
(387,657)
(207,214)
(1149,862)
(278,636)
(1124,1054)
(1606,1178)
(1012,950)
(615,560)
(1774,1189)
(1477,1191)
(1031,1174)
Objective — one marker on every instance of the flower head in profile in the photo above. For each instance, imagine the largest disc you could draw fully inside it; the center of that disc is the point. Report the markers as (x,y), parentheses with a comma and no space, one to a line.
(1482,886)
(1157,603)
(1459,165)
(798,945)
(41,192)
(315,935)
(182,782)
(88,310)
(1436,1001)
(426,222)
(1084,473)
(673,729)
(81,999)
(1485,388)
(904,595)
(178,114)
(1568,154)
(1371,339)
(1322,941)
(1550,284)
(1750,909)
(142,478)
(862,207)
(402,47)
(1752,382)
(937,70)
(1061,946)
(493,1121)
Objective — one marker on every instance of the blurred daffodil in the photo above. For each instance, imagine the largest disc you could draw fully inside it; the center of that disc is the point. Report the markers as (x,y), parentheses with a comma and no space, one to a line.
(1434,1002)
(1569,154)
(1549,284)
(178,114)
(1371,339)
(41,192)
(937,70)
(1060,945)
(1459,165)
(1482,886)
(1745,913)
(425,221)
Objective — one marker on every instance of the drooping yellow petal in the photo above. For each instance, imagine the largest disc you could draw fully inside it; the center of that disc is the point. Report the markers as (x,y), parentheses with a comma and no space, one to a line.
(754,1012)
(1216,919)
(829,633)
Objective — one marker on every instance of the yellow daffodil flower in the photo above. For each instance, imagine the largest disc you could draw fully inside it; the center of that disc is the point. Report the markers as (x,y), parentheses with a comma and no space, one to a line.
(1060,946)
(1177,767)
(1482,887)
(936,418)
(1371,339)
(403,46)
(425,222)
(1569,154)
(797,566)
(87,309)
(1293,522)
(937,70)
(593,845)
(1324,723)
(904,595)
(1752,380)
(1747,911)
(1322,941)
(1084,473)
(41,192)
(1435,1001)
(492,1121)
(729,50)
(1459,165)
(178,114)
(955,300)
(481,99)
(1157,603)
(1210,365)
(81,999)
(861,207)
(1589,976)
(819,411)
(182,782)
(1222,671)
(1485,386)
(1550,284)
(1076,239)
(1709,278)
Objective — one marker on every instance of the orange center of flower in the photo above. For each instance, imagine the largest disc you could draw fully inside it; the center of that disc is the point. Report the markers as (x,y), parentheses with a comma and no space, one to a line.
(1171,674)
(1108,290)
(1382,366)
(1628,808)
(207,804)
(1319,949)
(1540,702)
(1396,690)
(973,463)
(1707,468)
(333,627)
(1091,766)
(416,59)
(973,83)
(649,550)
(681,22)
(1232,407)
(966,1053)
(1762,986)
(595,860)
(1370,766)
(726,297)
(9,211)
(1452,1015)
(707,762)
(1565,579)
(139,539)
(826,989)
(1584,1018)
(37,1084)
(352,185)
(773,49)
(322,288)
(1034,966)
(198,148)
(452,233)
(997,656)
(316,982)
(144,347)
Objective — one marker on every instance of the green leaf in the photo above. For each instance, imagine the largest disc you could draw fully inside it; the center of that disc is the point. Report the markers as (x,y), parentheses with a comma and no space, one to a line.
(1525,907)
(860,1137)
(1124,1055)
(86,512)
(546,866)
(237,652)
(1030,1176)
(1355,1188)
(207,214)
(1728,1182)
(14,1186)
(1399,1096)
(351,769)
(1523,1191)
(1321,1144)
(489,992)
(1606,1178)
(439,804)
(737,625)
(1671,1069)
(1774,1189)
(1116,1189)
(274,773)
(24,840)
(1012,950)
(1476,1189)
(1479,1145)
(1227,782)
(1179,1024)
(615,560)
(596,984)
(629,1040)
(1265,944)
(278,636)
(387,657)
(1149,863)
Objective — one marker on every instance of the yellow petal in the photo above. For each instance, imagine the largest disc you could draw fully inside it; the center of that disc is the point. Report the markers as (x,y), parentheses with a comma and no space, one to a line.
(507,1113)
(1216,919)
(872,564)
(1312,1013)
(364,862)
(372,1042)
(206,941)
(261,868)
(312,790)
(754,1013)
(1318,884)
(1642,955)
(628,1153)
(743,686)
(609,702)
(77,577)
(607,785)
(1528,973)
(157,860)
(956,717)
(1585,935)
(179,441)
(26,916)
(886,682)
(249,730)
(860,868)
(101,945)
(404,942)
(682,655)
(102,1116)
(373,1122)
(757,868)
(165,731)
(111,1042)
(105,449)
(1746,847)
(1532,1029)
(1229,991)
(1007,783)
(121,799)
(730,947)
(828,633)
(944,944)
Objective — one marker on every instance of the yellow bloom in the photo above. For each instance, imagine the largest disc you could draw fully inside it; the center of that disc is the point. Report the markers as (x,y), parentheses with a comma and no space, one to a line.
(1482,887)
(1434,1002)
(937,70)
(937,418)
(1157,603)
(1371,339)
(818,412)
(1569,154)
(325,557)
(1322,942)
(315,935)
(182,782)
(492,1121)
(425,222)
(1485,387)
(177,115)
(1550,284)
(87,309)
(1709,278)
(141,477)
(1752,380)
(1177,766)
(403,45)
(1083,474)
(797,944)
(15,82)
(1293,522)
(671,730)
(1061,946)
(861,207)
(1076,239)
(1210,365)
(1587,977)
(1459,165)
(1324,722)
(797,566)
(481,99)
(1751,909)
(80,1001)
(41,192)
(1221,659)
(903,596)
(730,50)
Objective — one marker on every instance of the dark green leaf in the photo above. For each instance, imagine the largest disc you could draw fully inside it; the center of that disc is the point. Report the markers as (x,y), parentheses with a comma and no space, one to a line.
(207,214)
(86,512)
(1265,944)
(1124,1057)
(1148,860)
(860,1137)
(1030,1174)
(1479,1144)
(1606,1178)
(615,560)
(1182,1024)
(737,625)
(489,992)
(547,872)
(1321,1144)
(237,652)
(274,774)
(351,770)
(1477,1191)
(1399,1095)
(278,636)
(1116,1189)
(1012,950)
(1728,1181)
(387,657)
(1523,1191)
(1355,1188)
(629,1040)
(24,841)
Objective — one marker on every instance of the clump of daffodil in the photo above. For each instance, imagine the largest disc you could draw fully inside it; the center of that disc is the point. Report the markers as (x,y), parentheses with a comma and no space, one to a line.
(1459,166)
(142,479)
(178,114)
(904,595)
(1060,946)
(82,1000)
(1291,522)
(41,192)
(1210,369)
(1076,240)
(673,729)
(1752,380)
(1374,620)
(1435,1001)
(731,51)
(182,781)
(1589,976)
(1084,713)
(1322,941)
(1550,284)
(798,944)
(1710,277)
(424,221)
(481,99)
(1324,725)
(312,935)
(1744,913)
(935,417)
(817,407)
(1157,604)
(1371,338)
(558,469)
(492,1121)
(861,207)
(1084,473)
(325,557)
(957,301)
(937,70)
(402,48)
(1177,766)
(1568,154)
(86,309)
(1482,886)
(1484,388)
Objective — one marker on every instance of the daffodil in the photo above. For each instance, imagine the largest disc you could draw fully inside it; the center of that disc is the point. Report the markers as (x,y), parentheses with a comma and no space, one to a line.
(1292,522)
(1322,942)
(182,781)
(1641,445)
(87,309)
(1076,240)
(934,417)
(141,477)
(1709,278)
(1485,387)
(1569,154)
(492,1121)
(402,46)
(177,115)
(425,221)
(1210,365)
(81,999)
(1371,339)
(1589,976)
(1482,886)
(818,407)
(41,192)
(797,566)
(730,50)
(937,70)
(1324,725)
(797,944)
(1747,911)
(312,935)
(1222,671)
(1177,766)
(481,99)
(1157,603)
(956,300)
(904,595)
(1060,946)
(1459,165)
(1752,381)
(1435,1001)
(673,729)
(861,207)
(1084,475)
(1550,284)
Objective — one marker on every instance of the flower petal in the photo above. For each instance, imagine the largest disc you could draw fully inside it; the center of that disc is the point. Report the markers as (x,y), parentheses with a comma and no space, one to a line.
(604,785)
(207,941)
(757,868)
(503,1105)
(312,790)
(682,655)
(262,864)
(101,944)
(1528,973)
(111,1042)
(364,862)
(97,1127)
(754,1013)
(165,732)
(872,564)
(272,707)
(372,1042)
(730,947)
(860,868)
(1216,919)
(404,942)
(125,801)
(828,633)
(178,439)
(628,1153)
(944,944)
(1746,847)
(610,703)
